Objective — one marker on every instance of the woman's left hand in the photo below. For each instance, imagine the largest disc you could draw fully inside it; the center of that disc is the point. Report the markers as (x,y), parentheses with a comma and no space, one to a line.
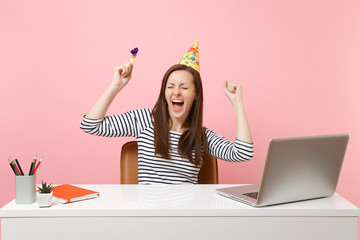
(233,91)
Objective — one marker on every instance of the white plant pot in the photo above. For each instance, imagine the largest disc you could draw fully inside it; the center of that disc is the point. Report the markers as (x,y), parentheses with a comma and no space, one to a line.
(44,199)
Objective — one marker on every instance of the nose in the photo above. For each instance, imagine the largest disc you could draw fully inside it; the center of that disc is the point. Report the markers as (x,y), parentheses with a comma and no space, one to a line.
(177,91)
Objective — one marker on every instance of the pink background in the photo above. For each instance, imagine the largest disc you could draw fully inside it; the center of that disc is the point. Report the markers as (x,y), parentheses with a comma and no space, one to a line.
(298,62)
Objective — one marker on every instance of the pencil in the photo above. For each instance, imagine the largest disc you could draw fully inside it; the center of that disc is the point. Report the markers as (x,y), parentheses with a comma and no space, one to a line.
(12,166)
(37,166)
(32,166)
(18,164)
(35,160)
(16,169)
(19,167)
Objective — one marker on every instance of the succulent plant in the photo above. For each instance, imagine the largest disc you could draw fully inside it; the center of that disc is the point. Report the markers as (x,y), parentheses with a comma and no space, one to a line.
(45,188)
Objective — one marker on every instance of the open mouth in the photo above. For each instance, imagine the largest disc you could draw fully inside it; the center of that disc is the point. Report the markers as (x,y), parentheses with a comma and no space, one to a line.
(177,105)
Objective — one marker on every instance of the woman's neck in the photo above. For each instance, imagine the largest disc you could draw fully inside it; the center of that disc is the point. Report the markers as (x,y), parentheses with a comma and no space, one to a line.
(177,126)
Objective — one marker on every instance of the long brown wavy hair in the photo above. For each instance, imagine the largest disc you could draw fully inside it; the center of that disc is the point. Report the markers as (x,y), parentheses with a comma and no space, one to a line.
(193,142)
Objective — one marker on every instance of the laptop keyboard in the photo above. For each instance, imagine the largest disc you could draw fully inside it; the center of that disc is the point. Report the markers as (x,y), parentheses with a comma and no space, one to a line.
(252,195)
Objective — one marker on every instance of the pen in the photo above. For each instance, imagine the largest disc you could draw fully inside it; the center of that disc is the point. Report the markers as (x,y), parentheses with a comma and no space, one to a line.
(18,164)
(37,166)
(12,166)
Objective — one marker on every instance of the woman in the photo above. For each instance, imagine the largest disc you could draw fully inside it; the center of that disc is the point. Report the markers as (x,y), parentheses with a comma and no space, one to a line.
(171,138)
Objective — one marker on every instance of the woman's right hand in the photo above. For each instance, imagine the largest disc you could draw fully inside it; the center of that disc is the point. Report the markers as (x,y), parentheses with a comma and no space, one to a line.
(122,75)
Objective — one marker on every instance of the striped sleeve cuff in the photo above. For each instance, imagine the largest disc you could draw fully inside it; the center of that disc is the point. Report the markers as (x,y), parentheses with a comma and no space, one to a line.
(246,149)
(88,124)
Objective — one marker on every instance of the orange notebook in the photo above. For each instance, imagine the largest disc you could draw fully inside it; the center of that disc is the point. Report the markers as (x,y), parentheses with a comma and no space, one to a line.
(67,193)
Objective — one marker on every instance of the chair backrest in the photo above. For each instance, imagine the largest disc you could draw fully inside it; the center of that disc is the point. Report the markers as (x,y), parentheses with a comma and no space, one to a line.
(208,173)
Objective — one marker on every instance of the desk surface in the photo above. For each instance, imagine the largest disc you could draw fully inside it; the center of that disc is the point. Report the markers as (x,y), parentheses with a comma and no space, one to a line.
(174,200)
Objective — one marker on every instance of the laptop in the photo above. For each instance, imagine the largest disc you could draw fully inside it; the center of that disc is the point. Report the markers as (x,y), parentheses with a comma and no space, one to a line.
(296,169)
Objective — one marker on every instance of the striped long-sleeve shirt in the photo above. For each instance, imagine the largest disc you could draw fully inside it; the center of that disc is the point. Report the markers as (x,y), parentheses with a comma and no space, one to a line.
(156,169)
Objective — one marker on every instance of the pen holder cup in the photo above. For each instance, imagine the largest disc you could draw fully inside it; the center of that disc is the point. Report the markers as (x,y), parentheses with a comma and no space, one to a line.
(25,189)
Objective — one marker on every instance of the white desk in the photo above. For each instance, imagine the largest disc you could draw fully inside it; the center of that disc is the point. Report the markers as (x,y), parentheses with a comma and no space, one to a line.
(178,212)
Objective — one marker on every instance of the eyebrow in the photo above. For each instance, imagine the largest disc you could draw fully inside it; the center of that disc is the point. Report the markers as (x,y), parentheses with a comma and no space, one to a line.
(181,84)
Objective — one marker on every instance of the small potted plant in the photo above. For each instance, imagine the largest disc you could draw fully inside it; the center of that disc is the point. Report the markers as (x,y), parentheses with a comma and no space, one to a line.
(44,195)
